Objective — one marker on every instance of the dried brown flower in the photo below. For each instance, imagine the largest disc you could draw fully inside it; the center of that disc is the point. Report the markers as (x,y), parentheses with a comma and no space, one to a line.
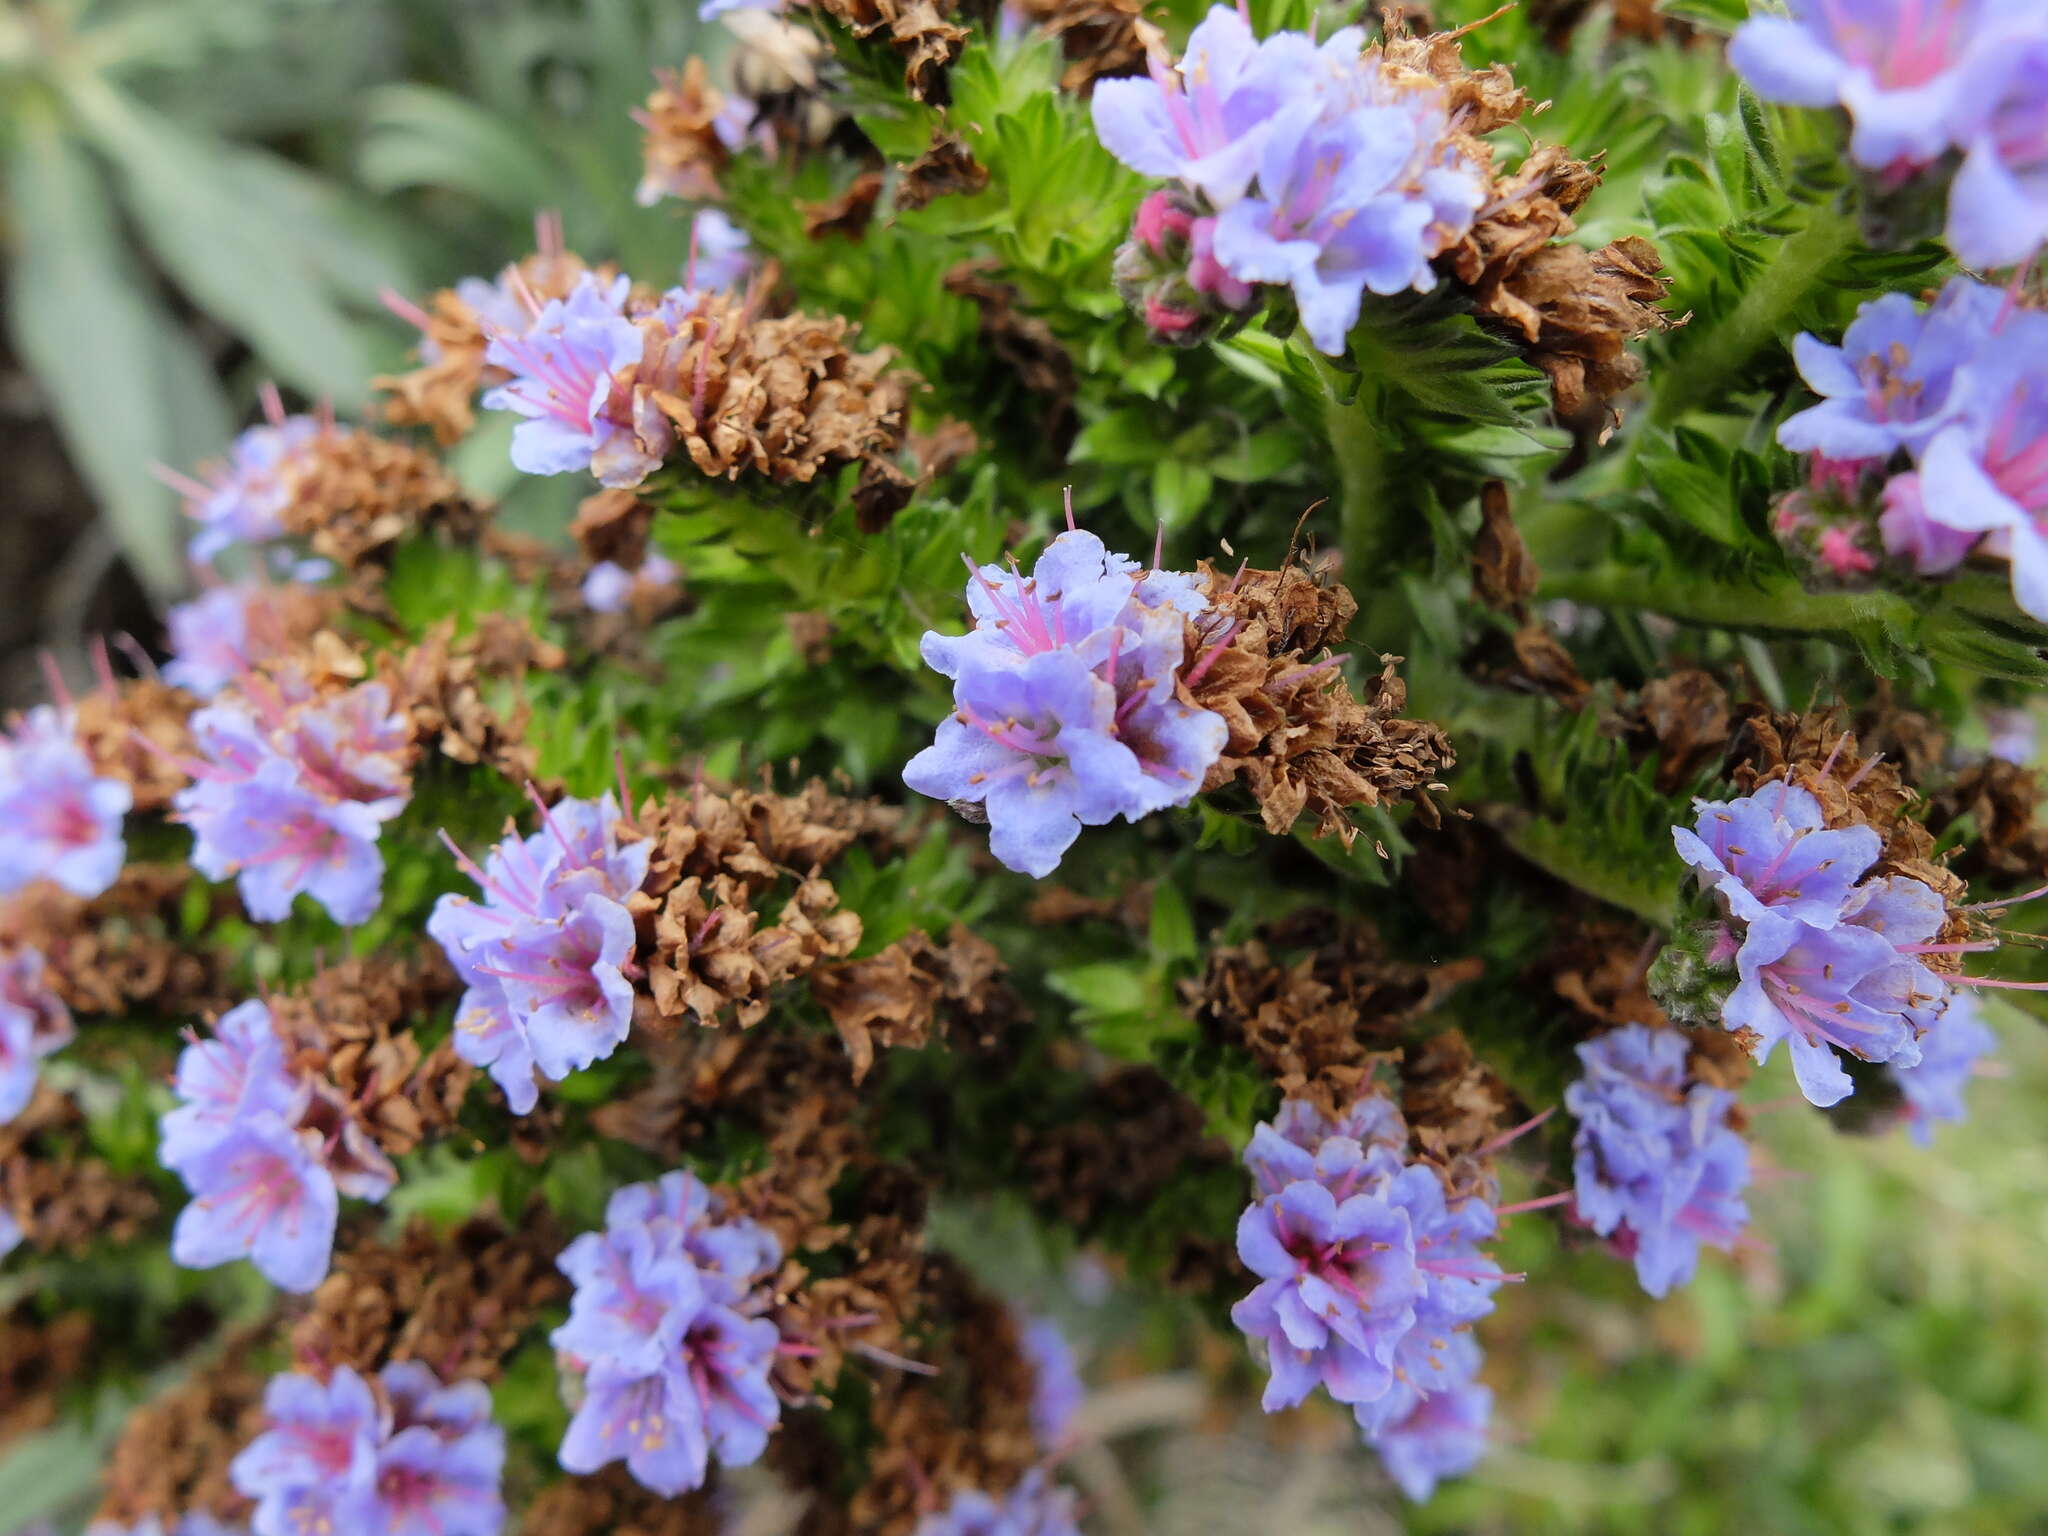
(1299,740)
(1598,967)
(785,397)
(444,686)
(1321,1025)
(893,998)
(611,1503)
(613,525)
(1503,575)
(359,494)
(458,1301)
(947,169)
(1454,1103)
(1102,39)
(122,952)
(922,32)
(1024,344)
(173,1454)
(682,154)
(1685,720)
(847,214)
(2003,802)
(1529,659)
(39,1358)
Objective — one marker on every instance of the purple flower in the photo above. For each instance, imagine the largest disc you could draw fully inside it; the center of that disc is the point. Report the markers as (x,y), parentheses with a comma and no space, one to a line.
(1824,990)
(61,822)
(719,252)
(1065,712)
(239,1074)
(544,956)
(242,500)
(33,1023)
(439,1469)
(1442,1434)
(1337,1288)
(1894,64)
(662,1322)
(1949,1053)
(1890,384)
(1770,854)
(262,1193)
(407,1458)
(1912,535)
(1655,1165)
(1057,1390)
(1035,1507)
(316,1459)
(292,791)
(10,1232)
(609,587)
(1204,122)
(1998,203)
(209,639)
(1988,472)
(564,367)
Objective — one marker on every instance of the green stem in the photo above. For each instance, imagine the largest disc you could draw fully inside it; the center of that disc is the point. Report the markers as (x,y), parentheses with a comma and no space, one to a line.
(1699,373)
(1361,457)
(1785,609)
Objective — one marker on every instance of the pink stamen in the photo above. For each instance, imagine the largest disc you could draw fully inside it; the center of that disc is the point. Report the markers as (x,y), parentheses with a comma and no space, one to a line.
(273,404)
(1201,668)
(2004,901)
(183,484)
(882,1356)
(1542,1203)
(1068,497)
(404,308)
(1516,1134)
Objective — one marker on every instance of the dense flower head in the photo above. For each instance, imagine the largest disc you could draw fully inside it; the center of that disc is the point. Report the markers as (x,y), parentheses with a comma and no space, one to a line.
(665,1330)
(1371,1273)
(401,1455)
(291,790)
(1950,1054)
(563,370)
(242,498)
(1656,1166)
(33,1023)
(1825,963)
(267,1152)
(1918,82)
(59,820)
(1065,708)
(545,956)
(1321,169)
(1037,1506)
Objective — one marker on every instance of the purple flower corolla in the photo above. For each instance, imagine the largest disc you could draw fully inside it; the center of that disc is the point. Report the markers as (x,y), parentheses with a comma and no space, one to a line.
(291,793)
(242,499)
(662,1324)
(1890,384)
(408,1457)
(33,1023)
(238,1074)
(1337,1288)
(564,368)
(1823,991)
(209,639)
(609,587)
(1771,853)
(1894,64)
(1206,120)
(1910,532)
(1372,1120)
(1057,1389)
(544,958)
(260,1192)
(720,252)
(1998,202)
(1065,708)
(1655,1166)
(1037,1506)
(59,821)
(1949,1055)
(1988,473)
(1438,1434)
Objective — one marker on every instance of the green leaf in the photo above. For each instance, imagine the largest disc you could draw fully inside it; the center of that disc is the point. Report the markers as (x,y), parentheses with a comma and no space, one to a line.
(238,259)
(418,136)
(125,386)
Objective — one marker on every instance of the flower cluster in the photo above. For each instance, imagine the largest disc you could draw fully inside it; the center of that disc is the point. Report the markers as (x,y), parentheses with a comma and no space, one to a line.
(33,1023)
(220,634)
(1656,1166)
(1037,1506)
(267,1150)
(402,1454)
(242,499)
(665,1331)
(545,956)
(1066,707)
(1370,1277)
(1927,442)
(1319,168)
(1922,82)
(63,820)
(585,369)
(1826,960)
(291,791)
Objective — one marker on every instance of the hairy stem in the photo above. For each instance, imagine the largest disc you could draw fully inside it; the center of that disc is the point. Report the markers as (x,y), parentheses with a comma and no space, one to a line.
(1782,608)
(1360,451)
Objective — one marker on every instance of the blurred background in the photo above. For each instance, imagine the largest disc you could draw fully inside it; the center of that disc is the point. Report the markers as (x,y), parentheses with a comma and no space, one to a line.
(203,195)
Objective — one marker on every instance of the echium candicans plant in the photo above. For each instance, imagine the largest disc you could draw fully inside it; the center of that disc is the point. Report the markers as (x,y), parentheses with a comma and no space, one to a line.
(1168,654)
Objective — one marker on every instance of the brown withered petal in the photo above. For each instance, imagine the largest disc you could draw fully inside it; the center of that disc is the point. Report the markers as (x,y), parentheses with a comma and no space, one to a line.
(1323,1024)
(893,998)
(2003,803)
(459,1301)
(1599,968)
(1101,39)
(947,169)
(847,214)
(121,952)
(173,1454)
(359,494)
(460,694)
(613,525)
(921,32)
(682,154)
(1685,720)
(1530,659)
(1454,1103)
(107,723)
(1503,575)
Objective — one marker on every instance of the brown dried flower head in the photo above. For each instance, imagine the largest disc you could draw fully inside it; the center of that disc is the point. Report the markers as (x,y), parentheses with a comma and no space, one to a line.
(922,33)
(1101,39)
(681,152)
